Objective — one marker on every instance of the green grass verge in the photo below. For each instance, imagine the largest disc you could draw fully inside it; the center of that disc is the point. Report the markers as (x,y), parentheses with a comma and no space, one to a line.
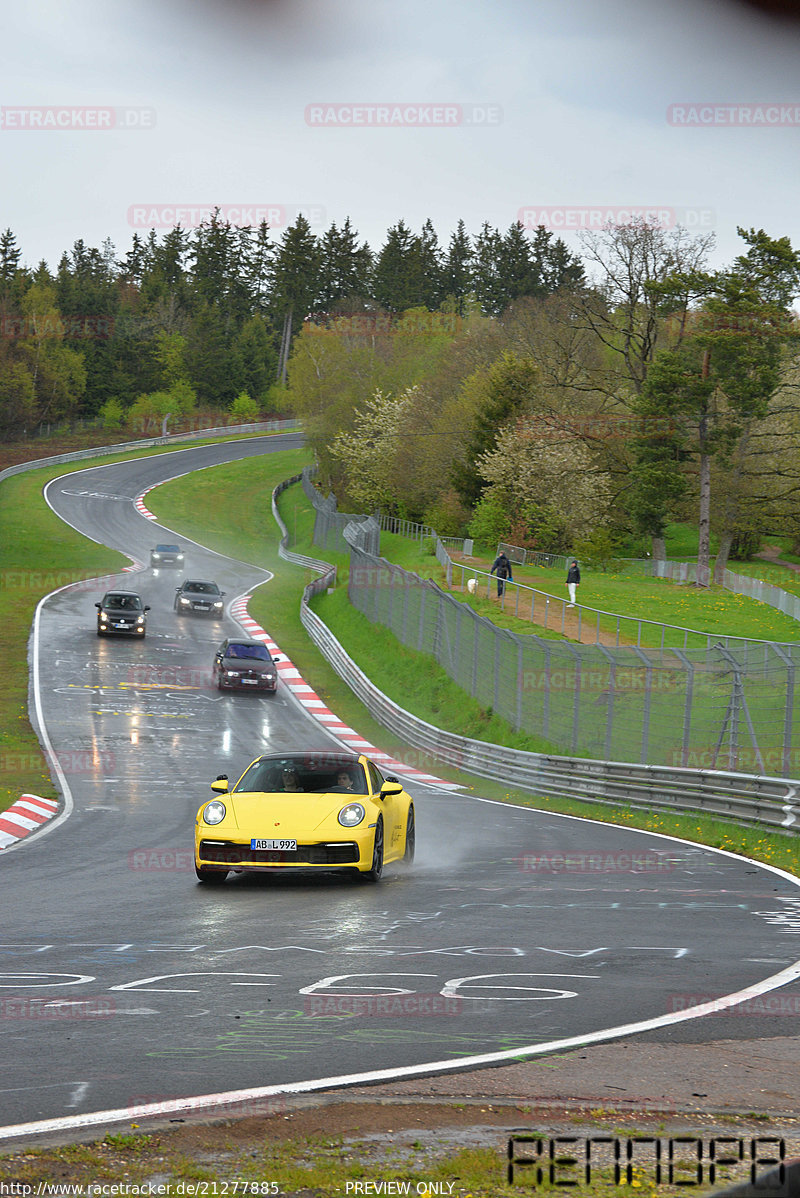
(273,1159)
(38,553)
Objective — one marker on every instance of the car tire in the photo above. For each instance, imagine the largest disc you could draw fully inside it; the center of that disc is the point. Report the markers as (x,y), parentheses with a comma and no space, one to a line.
(215,876)
(373,874)
(411,837)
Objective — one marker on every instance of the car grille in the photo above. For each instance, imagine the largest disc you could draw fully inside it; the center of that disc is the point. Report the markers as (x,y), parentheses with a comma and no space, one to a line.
(224,852)
(251,676)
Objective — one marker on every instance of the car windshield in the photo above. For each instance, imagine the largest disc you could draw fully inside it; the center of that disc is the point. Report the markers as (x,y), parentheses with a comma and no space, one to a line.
(259,652)
(324,774)
(125,602)
(202,588)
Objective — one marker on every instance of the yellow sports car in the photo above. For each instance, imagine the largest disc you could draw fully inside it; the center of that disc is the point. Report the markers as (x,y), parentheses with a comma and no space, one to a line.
(318,811)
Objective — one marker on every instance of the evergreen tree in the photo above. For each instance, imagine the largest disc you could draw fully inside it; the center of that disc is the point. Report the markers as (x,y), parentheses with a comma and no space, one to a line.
(517,277)
(345,268)
(10,255)
(397,280)
(430,268)
(487,271)
(507,390)
(257,356)
(457,268)
(554,267)
(297,268)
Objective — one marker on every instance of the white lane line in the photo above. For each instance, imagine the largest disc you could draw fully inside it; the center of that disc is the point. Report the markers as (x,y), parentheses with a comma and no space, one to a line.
(200,1102)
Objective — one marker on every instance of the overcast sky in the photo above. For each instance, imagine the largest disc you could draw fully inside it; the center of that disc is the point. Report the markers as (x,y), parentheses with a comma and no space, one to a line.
(550,111)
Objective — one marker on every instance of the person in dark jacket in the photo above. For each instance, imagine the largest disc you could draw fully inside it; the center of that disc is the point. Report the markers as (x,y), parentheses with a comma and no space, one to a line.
(502,568)
(573,578)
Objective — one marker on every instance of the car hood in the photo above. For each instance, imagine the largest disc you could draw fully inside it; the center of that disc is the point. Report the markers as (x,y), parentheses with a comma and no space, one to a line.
(248,663)
(282,815)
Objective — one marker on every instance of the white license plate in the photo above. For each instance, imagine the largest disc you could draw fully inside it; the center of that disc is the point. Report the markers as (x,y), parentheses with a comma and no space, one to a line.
(202,607)
(122,624)
(286,846)
(249,682)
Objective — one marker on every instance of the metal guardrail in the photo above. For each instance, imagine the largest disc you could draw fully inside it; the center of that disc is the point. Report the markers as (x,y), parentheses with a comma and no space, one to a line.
(744,798)
(79,455)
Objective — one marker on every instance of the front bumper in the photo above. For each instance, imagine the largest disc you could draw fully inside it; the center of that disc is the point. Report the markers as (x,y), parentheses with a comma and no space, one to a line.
(114,626)
(252,682)
(210,852)
(196,609)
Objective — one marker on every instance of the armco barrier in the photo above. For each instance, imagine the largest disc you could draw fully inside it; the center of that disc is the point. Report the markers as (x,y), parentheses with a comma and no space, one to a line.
(79,455)
(741,797)
(744,798)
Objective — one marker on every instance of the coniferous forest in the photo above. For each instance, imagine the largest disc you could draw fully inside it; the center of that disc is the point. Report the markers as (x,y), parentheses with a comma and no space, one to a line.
(497,384)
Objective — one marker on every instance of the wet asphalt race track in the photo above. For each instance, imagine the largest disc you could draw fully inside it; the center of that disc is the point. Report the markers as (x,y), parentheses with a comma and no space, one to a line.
(125,982)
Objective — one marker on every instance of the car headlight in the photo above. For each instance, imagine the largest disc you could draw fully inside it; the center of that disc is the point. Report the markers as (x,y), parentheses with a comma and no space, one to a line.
(218,603)
(351,815)
(214,812)
(179,557)
(231,673)
(156,557)
(140,620)
(184,599)
(103,615)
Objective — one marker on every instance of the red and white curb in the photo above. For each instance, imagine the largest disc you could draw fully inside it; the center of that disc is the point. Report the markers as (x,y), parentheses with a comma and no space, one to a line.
(310,700)
(139,504)
(25,816)
(306,695)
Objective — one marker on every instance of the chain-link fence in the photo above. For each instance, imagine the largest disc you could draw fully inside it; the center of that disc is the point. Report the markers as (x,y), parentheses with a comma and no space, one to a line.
(718,707)
(329,524)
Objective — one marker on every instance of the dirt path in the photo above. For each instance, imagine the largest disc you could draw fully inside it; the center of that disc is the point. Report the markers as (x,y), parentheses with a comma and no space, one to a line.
(772,554)
(566,621)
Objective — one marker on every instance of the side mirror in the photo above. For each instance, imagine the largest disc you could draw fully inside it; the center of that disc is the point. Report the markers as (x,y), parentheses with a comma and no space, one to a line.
(390,788)
(147,607)
(220,785)
(98,606)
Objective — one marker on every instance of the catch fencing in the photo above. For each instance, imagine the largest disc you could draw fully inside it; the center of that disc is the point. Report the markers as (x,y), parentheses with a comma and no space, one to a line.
(717,706)
(745,798)
(739,584)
